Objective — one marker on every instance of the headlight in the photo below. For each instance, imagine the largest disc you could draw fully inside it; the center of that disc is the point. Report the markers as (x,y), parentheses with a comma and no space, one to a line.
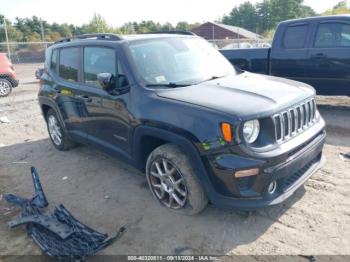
(251,131)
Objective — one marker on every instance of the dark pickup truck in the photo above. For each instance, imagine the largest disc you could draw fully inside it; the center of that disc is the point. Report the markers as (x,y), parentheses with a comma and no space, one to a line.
(313,50)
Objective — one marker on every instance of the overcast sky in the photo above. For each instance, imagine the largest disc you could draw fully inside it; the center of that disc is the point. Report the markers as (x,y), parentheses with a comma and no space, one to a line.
(117,12)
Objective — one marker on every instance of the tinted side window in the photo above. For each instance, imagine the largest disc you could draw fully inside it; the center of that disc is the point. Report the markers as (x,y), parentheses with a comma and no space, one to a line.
(294,36)
(69,64)
(333,35)
(54,57)
(98,60)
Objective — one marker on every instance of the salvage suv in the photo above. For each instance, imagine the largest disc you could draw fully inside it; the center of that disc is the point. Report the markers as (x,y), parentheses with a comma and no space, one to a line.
(174,107)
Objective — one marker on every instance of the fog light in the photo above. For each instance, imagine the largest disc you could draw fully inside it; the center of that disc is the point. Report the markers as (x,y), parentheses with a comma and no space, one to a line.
(272,187)
(247,172)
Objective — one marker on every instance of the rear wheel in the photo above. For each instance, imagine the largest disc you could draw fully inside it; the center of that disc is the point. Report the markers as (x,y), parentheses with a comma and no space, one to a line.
(172,180)
(57,133)
(5,87)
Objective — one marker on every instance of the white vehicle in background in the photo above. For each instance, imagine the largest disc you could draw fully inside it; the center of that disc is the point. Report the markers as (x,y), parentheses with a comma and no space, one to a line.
(262,45)
(242,45)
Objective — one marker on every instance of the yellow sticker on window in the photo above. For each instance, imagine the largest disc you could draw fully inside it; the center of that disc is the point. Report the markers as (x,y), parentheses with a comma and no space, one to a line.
(66,92)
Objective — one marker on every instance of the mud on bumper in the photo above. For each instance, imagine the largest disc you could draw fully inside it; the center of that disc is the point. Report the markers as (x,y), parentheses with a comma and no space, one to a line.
(288,175)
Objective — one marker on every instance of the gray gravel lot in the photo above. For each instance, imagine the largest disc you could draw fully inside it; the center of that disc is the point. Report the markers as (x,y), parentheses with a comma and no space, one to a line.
(316,220)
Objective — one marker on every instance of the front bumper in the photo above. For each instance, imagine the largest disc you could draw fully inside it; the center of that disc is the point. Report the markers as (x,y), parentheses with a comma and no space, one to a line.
(252,192)
(14,82)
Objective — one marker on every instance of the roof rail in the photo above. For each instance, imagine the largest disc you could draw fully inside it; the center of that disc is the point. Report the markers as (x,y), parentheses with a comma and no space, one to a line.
(99,36)
(176,32)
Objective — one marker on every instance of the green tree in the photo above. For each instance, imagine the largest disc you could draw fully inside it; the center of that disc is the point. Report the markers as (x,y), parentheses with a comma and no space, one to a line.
(12,32)
(340,8)
(264,16)
(288,9)
(97,25)
(182,26)
(23,27)
(244,15)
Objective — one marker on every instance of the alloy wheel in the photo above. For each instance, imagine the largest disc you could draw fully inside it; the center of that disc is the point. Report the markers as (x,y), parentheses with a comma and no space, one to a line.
(4,88)
(54,130)
(168,184)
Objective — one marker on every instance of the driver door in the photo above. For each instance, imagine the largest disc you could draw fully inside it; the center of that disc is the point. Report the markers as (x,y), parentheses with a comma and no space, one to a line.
(109,123)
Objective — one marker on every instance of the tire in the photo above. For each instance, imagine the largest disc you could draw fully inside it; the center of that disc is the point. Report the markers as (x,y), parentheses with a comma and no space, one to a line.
(5,87)
(57,133)
(183,182)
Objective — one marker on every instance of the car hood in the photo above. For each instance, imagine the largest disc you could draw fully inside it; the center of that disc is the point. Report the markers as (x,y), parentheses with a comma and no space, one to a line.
(245,95)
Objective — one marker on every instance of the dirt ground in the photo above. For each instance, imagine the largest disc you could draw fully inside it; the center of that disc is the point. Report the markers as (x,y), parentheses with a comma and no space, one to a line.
(106,193)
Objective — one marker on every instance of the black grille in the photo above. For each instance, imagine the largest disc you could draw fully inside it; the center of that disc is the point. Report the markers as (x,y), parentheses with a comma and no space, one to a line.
(290,180)
(294,120)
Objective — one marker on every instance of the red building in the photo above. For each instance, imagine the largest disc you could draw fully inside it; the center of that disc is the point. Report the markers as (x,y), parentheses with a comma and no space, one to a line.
(213,30)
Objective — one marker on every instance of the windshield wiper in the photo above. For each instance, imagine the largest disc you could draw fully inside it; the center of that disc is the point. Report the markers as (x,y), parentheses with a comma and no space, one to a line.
(172,85)
(211,78)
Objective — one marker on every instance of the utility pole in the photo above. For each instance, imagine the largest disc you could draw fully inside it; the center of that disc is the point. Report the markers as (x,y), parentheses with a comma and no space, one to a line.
(42,33)
(7,40)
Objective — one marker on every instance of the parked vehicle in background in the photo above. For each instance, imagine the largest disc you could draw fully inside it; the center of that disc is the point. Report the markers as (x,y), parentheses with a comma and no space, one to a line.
(8,78)
(174,107)
(261,45)
(237,45)
(312,50)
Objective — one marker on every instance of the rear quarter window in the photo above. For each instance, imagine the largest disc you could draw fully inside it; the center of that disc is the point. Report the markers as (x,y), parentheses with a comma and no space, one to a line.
(295,36)
(69,63)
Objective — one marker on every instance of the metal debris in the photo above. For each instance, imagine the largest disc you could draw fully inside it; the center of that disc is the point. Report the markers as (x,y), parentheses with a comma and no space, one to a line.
(59,234)
(344,156)
(20,162)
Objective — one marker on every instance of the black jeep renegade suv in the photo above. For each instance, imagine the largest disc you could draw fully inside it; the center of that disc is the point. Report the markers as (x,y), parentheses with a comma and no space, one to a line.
(174,107)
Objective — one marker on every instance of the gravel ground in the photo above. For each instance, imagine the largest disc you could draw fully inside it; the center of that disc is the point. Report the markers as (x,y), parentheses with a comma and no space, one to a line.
(106,193)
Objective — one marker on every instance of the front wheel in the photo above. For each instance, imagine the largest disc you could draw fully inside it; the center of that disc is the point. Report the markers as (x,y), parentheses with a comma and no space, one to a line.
(5,87)
(172,180)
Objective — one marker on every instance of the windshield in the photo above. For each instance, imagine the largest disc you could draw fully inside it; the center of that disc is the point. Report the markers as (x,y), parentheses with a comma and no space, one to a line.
(177,61)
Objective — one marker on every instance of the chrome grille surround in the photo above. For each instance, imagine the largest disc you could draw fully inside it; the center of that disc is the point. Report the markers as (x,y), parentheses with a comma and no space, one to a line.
(294,120)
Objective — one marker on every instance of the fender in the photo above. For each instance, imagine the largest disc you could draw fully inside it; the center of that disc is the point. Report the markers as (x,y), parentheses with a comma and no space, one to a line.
(49,102)
(185,141)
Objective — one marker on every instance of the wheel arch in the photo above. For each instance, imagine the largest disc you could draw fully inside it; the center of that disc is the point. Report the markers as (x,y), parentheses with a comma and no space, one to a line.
(147,138)
(8,78)
(46,104)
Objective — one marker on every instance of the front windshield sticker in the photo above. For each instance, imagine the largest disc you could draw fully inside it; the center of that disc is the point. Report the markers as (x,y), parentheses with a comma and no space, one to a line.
(160,79)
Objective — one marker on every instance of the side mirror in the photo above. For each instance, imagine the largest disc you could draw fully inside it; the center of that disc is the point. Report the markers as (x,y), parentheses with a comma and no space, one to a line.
(106,81)
(122,81)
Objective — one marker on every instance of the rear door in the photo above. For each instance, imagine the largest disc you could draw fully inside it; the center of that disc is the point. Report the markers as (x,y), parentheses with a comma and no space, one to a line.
(329,58)
(66,62)
(289,53)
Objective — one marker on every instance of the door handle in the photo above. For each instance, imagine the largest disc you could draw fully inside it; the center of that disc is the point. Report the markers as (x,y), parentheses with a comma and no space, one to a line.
(86,98)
